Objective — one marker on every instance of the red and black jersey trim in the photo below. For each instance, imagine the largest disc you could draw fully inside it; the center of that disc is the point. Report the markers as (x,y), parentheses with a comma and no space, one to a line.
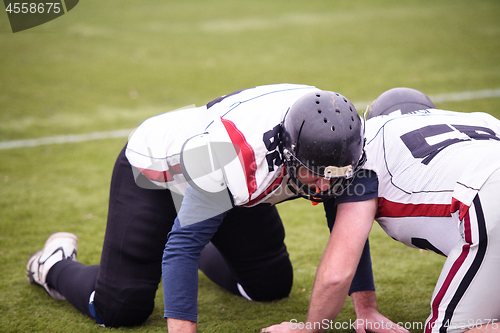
(387,208)
(469,275)
(246,154)
(162,176)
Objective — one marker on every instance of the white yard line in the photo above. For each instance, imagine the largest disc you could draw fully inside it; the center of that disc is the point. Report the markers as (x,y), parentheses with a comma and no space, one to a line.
(65,139)
(123,133)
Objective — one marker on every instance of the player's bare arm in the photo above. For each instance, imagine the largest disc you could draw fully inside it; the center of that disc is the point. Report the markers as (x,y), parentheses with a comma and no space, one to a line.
(338,265)
(180,326)
(340,259)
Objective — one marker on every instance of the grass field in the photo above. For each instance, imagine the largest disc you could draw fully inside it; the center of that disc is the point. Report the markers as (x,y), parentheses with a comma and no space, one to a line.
(108,65)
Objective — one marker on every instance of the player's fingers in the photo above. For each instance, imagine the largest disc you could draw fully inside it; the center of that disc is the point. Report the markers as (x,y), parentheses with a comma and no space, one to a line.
(400,329)
(381,327)
(278,328)
(395,328)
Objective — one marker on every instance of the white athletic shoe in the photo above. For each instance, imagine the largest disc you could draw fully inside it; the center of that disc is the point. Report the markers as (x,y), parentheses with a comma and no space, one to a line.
(59,246)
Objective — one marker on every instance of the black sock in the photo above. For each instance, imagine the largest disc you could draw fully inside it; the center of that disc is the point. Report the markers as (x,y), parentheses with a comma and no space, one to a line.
(75,281)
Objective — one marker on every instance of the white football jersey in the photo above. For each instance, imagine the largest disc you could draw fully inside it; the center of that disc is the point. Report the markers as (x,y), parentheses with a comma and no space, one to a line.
(250,119)
(418,189)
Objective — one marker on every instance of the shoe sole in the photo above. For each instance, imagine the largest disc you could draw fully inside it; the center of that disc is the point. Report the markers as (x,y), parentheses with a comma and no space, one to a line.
(32,258)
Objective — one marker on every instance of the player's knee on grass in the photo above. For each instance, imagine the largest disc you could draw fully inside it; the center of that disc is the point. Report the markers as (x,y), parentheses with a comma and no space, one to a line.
(267,280)
(273,283)
(133,310)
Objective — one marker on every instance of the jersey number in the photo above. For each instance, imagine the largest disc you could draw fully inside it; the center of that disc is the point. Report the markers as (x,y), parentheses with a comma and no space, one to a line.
(271,140)
(416,140)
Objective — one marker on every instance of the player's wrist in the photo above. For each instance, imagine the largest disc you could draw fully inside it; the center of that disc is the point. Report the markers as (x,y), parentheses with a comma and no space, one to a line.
(364,302)
(180,326)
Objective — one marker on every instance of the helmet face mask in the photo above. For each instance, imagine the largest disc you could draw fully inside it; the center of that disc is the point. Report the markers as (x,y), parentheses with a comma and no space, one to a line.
(337,184)
(322,134)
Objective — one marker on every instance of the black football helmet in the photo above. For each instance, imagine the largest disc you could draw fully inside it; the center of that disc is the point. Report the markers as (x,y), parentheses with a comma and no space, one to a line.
(405,99)
(322,132)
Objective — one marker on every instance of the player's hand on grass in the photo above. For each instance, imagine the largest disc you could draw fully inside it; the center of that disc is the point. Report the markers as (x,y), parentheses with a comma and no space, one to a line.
(377,323)
(368,317)
(284,327)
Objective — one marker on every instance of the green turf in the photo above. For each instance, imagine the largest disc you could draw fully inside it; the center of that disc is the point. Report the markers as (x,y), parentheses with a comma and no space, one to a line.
(107,65)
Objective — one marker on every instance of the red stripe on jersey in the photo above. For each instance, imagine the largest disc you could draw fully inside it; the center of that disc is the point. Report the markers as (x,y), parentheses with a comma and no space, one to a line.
(451,275)
(161,176)
(467,229)
(387,208)
(246,154)
(461,207)
(271,188)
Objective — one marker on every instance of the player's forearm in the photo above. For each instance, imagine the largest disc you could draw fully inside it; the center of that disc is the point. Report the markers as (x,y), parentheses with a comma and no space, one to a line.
(180,326)
(327,300)
(330,289)
(340,260)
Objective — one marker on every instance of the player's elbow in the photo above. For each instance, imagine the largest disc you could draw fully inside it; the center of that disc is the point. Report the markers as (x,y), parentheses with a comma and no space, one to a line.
(338,280)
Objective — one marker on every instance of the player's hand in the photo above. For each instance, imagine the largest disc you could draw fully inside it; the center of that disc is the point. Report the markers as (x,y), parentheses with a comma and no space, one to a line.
(284,327)
(368,317)
(376,322)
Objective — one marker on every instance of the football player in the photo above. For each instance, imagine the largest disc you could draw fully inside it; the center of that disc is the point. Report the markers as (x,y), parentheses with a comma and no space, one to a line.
(439,177)
(196,188)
